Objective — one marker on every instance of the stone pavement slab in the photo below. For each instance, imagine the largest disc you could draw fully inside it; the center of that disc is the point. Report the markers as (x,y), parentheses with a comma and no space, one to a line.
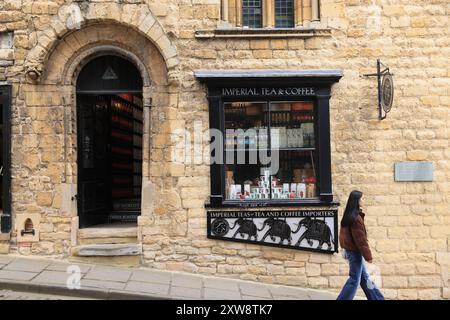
(154,276)
(320,295)
(60,266)
(289,298)
(5,259)
(220,283)
(17,275)
(27,265)
(52,277)
(108,274)
(255,290)
(145,287)
(186,293)
(102,284)
(285,291)
(253,298)
(186,280)
(219,294)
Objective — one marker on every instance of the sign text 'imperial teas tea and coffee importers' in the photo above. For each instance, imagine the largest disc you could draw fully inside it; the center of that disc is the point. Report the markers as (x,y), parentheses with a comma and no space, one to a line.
(312,230)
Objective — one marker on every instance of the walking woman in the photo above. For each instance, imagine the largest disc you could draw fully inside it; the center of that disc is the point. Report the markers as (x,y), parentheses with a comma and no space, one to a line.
(353,239)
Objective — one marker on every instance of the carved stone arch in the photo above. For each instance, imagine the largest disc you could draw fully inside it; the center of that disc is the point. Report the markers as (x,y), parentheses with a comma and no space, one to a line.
(72,51)
(72,18)
(76,49)
(73,69)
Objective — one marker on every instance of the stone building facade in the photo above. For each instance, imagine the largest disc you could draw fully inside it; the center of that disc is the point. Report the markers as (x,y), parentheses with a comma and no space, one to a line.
(45,45)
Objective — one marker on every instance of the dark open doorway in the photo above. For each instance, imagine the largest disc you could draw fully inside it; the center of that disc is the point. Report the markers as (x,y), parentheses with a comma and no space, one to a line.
(109,130)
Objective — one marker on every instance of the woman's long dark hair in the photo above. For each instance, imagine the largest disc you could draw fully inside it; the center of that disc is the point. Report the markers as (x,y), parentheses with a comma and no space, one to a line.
(352,209)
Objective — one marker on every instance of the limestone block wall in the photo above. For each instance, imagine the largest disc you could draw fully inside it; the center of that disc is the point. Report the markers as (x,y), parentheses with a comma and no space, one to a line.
(408,223)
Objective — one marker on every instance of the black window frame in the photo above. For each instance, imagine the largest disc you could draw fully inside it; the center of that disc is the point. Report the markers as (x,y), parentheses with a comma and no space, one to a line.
(5,99)
(321,83)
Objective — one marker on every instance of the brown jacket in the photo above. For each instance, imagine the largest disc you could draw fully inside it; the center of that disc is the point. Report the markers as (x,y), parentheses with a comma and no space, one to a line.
(355,238)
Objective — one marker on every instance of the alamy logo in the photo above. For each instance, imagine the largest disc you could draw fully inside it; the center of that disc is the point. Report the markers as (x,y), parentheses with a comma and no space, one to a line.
(74,279)
(373,19)
(208,146)
(374,280)
(73,16)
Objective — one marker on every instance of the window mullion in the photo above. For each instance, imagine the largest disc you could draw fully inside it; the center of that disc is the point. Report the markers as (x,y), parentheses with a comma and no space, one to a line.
(239,13)
(315,10)
(269,152)
(224,15)
(298,13)
(269,13)
(306,12)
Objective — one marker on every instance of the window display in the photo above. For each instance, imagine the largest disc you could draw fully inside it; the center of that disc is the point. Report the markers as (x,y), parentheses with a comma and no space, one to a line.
(270,150)
(126,155)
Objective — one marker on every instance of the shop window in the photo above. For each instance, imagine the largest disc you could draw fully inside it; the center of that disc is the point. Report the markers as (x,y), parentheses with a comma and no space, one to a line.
(270,150)
(275,128)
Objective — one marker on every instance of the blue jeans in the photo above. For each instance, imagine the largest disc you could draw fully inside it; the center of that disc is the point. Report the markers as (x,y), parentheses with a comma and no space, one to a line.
(358,276)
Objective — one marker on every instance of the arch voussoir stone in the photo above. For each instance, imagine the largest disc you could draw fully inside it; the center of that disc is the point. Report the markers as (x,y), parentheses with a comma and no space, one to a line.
(147,23)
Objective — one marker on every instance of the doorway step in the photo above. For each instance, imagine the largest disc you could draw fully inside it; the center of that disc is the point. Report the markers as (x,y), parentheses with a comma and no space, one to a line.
(109,244)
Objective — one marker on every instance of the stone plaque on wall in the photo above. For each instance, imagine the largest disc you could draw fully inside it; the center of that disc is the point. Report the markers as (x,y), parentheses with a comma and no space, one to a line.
(311,230)
(413,171)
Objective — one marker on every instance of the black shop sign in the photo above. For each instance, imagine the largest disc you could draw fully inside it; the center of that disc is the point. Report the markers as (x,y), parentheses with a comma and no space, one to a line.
(310,230)
(268,91)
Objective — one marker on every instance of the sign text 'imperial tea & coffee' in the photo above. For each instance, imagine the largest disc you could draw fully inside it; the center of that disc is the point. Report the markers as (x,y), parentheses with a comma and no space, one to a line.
(268,91)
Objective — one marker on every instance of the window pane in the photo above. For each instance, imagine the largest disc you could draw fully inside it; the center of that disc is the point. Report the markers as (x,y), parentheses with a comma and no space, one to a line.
(284,13)
(251,13)
(293,142)
(295,178)
(246,143)
(288,171)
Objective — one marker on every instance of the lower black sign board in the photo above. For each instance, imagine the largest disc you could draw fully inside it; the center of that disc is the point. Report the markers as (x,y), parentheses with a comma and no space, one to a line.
(310,230)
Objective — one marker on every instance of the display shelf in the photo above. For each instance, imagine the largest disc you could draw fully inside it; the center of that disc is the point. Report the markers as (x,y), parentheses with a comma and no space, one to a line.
(287,125)
(126,126)
(125,129)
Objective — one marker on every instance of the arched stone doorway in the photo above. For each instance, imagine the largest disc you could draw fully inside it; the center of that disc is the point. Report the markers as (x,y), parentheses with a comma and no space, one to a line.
(109,137)
(65,58)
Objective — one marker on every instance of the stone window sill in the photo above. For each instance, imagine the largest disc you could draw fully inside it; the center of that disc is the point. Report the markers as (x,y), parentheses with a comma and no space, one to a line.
(264,33)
